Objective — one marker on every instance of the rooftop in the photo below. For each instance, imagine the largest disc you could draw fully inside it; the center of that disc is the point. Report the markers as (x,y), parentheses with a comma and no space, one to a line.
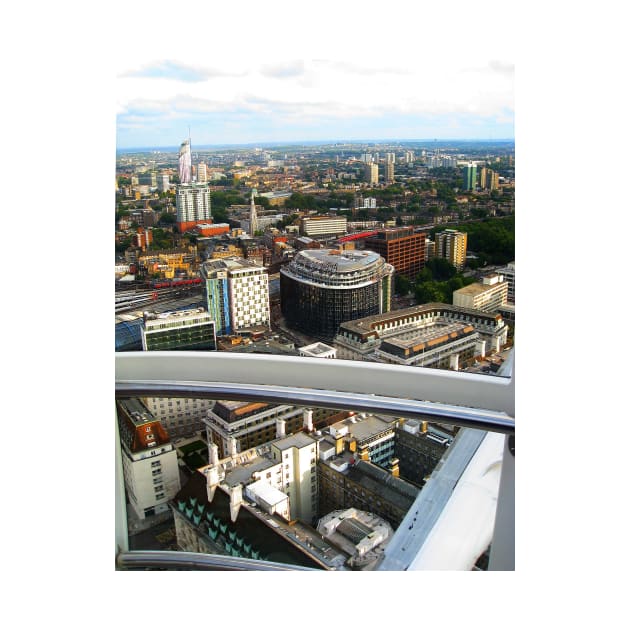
(430,335)
(395,490)
(340,260)
(364,428)
(367,324)
(297,440)
(477,288)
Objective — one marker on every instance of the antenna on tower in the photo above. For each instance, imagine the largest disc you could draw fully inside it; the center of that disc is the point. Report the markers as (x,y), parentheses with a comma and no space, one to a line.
(191,157)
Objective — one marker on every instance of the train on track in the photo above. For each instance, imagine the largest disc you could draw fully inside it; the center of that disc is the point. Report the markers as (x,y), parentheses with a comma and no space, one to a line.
(176,282)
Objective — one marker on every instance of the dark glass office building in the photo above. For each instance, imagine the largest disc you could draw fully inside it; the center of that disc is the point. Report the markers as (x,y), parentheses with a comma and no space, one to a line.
(321,288)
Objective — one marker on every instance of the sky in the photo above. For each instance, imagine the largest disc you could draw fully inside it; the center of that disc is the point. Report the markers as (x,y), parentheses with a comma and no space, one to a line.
(270,72)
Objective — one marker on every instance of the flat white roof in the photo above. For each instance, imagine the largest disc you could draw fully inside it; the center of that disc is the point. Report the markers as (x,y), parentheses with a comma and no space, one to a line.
(267,493)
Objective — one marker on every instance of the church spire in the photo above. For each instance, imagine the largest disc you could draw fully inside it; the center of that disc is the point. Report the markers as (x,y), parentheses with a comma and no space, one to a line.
(253,218)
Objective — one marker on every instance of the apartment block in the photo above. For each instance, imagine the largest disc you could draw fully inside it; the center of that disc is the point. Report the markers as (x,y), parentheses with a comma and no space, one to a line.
(237,293)
(149,459)
(451,244)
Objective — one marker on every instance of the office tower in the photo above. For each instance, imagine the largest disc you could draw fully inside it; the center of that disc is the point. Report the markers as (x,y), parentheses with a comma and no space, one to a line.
(148,179)
(483,173)
(237,294)
(202,173)
(389,171)
(401,248)
(492,180)
(253,217)
(451,245)
(192,329)
(371,174)
(163,183)
(321,226)
(488,295)
(149,460)
(488,179)
(193,205)
(185,163)
(321,288)
(469,173)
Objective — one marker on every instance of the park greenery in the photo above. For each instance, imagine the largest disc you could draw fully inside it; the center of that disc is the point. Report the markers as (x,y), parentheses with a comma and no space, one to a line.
(435,283)
(492,240)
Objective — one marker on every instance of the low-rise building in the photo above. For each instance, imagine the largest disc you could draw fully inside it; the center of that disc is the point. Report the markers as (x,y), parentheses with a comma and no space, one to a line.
(417,325)
(192,329)
(488,295)
(419,446)
(361,535)
(321,226)
(238,426)
(345,482)
(181,417)
(319,350)
(226,523)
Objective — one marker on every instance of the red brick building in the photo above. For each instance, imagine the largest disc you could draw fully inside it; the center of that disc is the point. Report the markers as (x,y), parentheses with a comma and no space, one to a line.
(400,247)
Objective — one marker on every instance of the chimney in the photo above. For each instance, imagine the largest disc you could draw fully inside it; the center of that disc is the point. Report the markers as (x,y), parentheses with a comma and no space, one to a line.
(213,454)
(232,450)
(281,428)
(236,500)
(308,419)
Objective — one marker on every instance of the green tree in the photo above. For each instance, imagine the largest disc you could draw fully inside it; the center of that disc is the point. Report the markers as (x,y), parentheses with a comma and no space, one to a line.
(431,292)
(167,218)
(123,245)
(263,201)
(402,284)
(441,269)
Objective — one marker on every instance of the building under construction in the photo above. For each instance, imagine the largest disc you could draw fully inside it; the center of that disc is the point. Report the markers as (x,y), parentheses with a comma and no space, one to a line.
(321,288)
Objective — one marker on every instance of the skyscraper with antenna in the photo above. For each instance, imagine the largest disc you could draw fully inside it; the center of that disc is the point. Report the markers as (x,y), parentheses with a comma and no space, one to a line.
(185,162)
(192,198)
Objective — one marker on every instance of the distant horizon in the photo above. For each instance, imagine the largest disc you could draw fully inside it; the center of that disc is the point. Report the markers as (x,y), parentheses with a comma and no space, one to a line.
(292,143)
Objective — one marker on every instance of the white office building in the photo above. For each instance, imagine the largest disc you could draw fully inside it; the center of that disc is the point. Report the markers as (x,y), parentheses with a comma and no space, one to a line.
(323,226)
(488,295)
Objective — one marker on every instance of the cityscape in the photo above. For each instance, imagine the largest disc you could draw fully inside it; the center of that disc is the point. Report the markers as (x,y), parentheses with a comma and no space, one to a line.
(358,317)
(388,253)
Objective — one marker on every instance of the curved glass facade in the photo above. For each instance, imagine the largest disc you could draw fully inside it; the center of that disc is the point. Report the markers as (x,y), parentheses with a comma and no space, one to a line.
(320,289)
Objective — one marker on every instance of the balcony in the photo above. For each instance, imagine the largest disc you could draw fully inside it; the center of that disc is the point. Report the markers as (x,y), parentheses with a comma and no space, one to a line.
(469,498)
